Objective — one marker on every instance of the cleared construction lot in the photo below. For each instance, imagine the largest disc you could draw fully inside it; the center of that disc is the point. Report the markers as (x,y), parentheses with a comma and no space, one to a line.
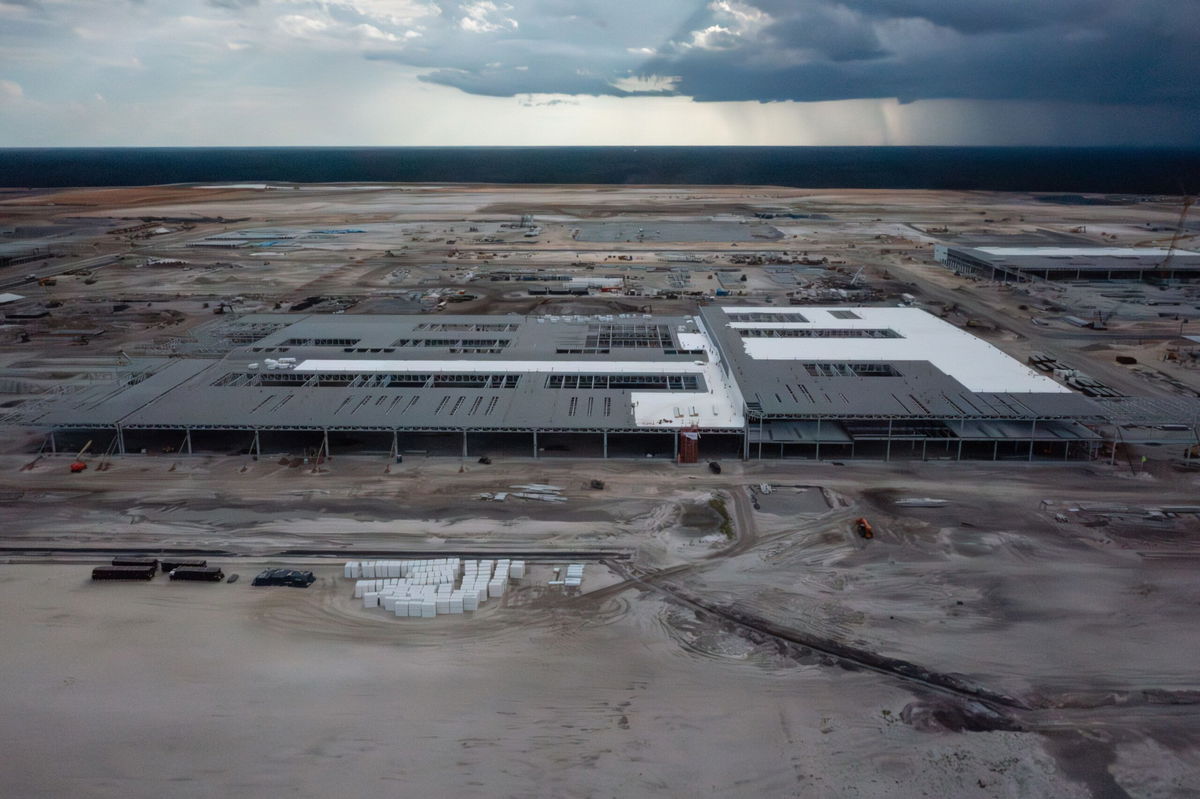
(1032,634)
(978,648)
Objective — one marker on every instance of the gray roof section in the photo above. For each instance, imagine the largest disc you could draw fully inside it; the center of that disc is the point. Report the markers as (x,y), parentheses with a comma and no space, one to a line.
(106,404)
(183,393)
(518,337)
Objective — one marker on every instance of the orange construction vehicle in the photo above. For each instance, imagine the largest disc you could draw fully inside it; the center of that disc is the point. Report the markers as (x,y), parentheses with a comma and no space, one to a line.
(78,465)
(864,527)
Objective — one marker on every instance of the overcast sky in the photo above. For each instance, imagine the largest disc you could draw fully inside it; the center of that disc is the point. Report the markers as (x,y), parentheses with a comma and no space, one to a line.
(582,72)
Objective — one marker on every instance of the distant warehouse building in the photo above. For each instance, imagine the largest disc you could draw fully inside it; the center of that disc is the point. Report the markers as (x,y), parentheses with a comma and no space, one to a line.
(748,382)
(1015,264)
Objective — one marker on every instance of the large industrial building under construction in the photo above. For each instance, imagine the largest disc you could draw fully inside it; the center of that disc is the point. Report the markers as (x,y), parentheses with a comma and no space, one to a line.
(1018,264)
(751,382)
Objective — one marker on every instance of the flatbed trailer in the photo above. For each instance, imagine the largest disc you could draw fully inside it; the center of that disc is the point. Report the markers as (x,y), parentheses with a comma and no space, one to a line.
(171,564)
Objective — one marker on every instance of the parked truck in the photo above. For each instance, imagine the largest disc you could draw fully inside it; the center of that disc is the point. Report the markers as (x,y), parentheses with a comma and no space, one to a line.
(171,564)
(128,560)
(123,573)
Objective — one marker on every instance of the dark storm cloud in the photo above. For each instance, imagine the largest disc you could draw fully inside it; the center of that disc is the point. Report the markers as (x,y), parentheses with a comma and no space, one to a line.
(1067,50)
(1099,51)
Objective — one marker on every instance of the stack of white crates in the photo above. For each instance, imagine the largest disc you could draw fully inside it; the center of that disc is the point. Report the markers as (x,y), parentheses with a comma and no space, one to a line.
(425,588)
(574,575)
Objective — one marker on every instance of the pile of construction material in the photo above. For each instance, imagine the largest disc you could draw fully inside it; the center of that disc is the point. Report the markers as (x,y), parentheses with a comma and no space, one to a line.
(574,575)
(1088,386)
(427,588)
(532,491)
(574,578)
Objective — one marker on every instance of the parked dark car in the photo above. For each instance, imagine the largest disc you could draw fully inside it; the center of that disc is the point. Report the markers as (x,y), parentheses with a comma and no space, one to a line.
(289,577)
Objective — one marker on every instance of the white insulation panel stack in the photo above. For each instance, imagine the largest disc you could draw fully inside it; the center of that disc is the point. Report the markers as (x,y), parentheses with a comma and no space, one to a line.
(431,587)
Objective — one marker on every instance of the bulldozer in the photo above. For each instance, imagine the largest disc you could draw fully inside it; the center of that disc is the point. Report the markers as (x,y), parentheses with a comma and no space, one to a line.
(864,528)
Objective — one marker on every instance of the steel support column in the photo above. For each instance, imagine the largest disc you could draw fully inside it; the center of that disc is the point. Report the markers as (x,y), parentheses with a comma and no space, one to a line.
(395,443)
(605,435)
(535,448)
(325,444)
(887,454)
(1032,433)
(464,443)
(120,440)
(53,446)
(818,438)
(924,446)
(257,445)
(188,439)
(675,449)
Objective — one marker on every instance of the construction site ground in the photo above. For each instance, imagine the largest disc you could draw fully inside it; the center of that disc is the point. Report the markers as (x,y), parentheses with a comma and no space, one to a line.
(979,648)
(1032,636)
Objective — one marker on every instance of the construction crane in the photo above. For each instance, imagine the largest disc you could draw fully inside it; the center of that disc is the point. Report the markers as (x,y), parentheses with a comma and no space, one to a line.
(1183,212)
(78,465)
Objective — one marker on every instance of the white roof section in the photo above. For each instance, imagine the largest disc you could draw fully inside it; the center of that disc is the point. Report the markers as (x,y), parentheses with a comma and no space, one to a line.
(1080,252)
(721,406)
(7,298)
(971,361)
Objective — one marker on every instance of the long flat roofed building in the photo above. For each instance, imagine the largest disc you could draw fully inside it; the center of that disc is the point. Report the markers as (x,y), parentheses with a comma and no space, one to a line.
(842,382)
(745,381)
(1008,264)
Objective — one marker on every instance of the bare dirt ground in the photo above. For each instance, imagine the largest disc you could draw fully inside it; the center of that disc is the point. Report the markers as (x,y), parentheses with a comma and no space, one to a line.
(1066,646)
(203,690)
(1033,637)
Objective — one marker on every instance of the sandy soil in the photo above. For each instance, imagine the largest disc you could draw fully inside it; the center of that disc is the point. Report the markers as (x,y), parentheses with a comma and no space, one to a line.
(612,693)
(201,690)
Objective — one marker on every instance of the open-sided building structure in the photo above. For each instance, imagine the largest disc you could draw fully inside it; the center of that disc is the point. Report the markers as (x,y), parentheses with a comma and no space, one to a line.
(753,382)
